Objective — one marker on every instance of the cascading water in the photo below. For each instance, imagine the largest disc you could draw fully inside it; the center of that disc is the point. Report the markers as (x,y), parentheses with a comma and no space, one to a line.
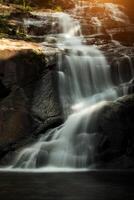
(83,70)
(84,86)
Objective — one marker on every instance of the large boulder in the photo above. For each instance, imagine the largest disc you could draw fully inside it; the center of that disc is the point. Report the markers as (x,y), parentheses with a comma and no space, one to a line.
(29,100)
(115,127)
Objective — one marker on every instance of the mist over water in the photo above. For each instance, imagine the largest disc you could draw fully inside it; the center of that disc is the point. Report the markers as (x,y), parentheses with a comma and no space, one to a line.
(85,86)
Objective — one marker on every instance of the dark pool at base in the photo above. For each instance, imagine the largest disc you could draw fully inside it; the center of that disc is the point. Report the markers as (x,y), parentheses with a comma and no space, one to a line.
(102,185)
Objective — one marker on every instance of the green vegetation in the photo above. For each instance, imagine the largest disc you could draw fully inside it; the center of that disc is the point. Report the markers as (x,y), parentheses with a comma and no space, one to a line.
(11,18)
(14,11)
(58,9)
(11,30)
(26,5)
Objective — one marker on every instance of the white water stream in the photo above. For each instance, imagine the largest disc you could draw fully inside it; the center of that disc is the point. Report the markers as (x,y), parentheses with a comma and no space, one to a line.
(85,86)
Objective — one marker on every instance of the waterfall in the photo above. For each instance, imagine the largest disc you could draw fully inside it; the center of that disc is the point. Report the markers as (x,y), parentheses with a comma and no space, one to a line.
(84,74)
(84,85)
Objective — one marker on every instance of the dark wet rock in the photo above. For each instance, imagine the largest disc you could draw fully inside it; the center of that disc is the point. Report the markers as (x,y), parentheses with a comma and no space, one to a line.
(32,105)
(45,104)
(41,25)
(15,118)
(38,31)
(125,35)
(16,122)
(42,28)
(116,139)
(4,91)
(19,15)
(122,69)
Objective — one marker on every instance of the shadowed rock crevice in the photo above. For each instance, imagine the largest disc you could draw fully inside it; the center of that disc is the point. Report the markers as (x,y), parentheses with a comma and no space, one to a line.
(4,91)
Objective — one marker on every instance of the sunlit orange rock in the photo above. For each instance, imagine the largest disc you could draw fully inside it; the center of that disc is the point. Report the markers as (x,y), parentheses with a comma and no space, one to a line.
(9,47)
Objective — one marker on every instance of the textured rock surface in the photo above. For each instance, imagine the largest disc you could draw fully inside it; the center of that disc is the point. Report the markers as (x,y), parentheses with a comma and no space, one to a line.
(62,3)
(29,94)
(115,147)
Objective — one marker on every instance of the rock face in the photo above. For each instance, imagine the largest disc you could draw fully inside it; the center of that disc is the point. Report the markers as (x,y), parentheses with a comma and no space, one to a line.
(122,64)
(28,96)
(128,4)
(115,145)
(54,3)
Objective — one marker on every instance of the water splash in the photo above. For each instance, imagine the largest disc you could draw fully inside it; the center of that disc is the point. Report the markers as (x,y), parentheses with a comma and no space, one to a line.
(85,85)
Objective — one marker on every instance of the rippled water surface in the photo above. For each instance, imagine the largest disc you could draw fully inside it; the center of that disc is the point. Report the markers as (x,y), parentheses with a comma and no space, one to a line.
(100,185)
